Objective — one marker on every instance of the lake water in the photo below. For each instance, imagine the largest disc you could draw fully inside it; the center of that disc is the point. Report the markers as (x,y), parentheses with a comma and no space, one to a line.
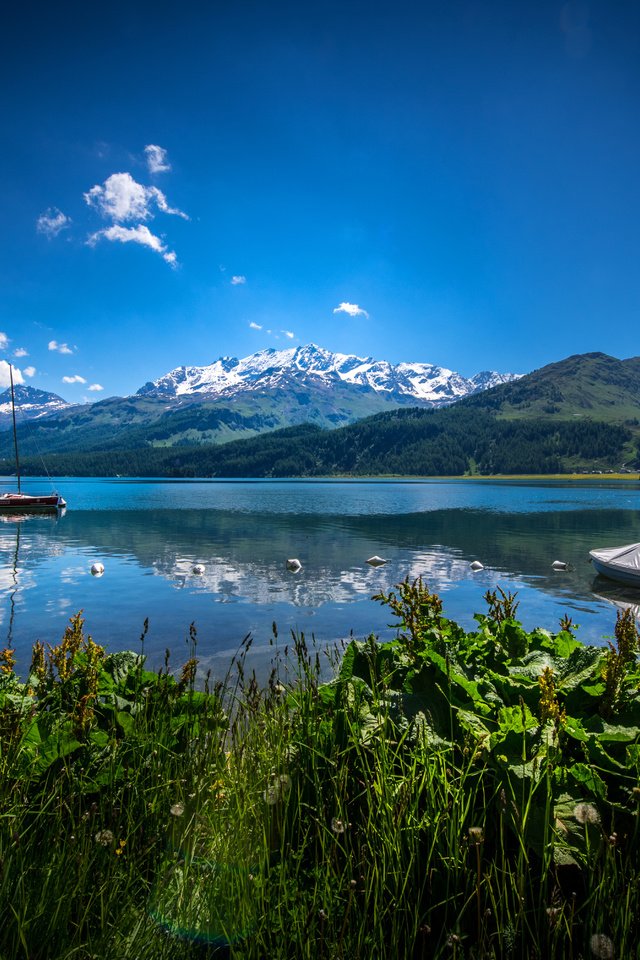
(149,534)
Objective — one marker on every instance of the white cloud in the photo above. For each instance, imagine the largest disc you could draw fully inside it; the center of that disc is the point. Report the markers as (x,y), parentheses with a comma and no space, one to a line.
(139,234)
(4,341)
(288,334)
(255,326)
(21,352)
(76,378)
(156,158)
(121,198)
(5,379)
(30,371)
(352,309)
(238,280)
(59,347)
(52,222)
(96,387)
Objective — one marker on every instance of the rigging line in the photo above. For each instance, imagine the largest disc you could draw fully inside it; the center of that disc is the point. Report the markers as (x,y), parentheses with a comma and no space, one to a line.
(24,427)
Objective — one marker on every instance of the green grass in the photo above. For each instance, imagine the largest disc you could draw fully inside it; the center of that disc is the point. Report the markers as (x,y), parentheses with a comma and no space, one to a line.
(446,794)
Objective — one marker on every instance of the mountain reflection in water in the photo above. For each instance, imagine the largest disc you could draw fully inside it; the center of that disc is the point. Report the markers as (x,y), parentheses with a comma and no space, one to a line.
(149,556)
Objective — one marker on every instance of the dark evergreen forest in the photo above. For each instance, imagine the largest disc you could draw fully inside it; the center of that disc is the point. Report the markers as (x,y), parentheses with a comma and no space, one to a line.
(409,442)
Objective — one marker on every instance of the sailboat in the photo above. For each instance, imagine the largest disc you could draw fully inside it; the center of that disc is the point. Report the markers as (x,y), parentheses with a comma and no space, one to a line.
(25,502)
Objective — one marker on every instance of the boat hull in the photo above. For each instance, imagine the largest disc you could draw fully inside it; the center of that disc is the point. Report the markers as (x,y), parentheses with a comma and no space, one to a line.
(25,503)
(619,563)
(630,579)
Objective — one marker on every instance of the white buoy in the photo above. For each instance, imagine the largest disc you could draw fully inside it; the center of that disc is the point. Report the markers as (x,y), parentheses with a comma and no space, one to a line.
(559,565)
(294,565)
(476,565)
(198,569)
(97,569)
(376,561)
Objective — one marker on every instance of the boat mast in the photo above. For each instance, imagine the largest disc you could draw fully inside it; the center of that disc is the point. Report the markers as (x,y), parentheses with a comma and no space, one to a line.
(15,433)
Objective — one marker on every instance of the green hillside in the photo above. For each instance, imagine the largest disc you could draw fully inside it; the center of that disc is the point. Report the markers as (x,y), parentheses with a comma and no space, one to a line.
(121,423)
(581,414)
(585,386)
(413,442)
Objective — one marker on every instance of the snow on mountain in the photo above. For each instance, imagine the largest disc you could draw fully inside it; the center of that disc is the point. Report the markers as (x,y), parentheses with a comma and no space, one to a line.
(31,404)
(423,383)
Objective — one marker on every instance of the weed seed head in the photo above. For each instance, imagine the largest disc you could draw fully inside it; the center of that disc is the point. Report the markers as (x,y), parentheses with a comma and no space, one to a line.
(586,813)
(601,946)
(104,838)
(476,835)
(177,809)
(337,825)
(277,789)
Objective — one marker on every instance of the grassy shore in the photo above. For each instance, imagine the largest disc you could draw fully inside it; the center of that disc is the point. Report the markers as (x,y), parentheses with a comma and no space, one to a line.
(446,794)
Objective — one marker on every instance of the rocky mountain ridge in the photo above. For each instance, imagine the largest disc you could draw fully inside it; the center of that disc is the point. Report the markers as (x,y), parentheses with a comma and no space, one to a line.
(423,383)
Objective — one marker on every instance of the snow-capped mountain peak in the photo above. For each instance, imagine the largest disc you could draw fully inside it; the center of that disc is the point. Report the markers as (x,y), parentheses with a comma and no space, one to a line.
(31,404)
(423,383)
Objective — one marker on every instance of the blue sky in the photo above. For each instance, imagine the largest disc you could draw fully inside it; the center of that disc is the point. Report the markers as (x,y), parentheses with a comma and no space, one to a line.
(184,181)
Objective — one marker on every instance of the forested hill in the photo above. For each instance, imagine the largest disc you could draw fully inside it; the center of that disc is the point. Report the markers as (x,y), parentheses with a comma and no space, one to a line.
(410,442)
(584,386)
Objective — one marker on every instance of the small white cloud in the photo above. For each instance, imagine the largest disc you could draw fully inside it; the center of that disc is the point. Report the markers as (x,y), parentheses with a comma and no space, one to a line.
(52,222)
(96,387)
(20,352)
(288,334)
(156,158)
(59,347)
(4,341)
(255,326)
(238,280)
(76,378)
(140,234)
(30,371)
(121,198)
(5,378)
(352,309)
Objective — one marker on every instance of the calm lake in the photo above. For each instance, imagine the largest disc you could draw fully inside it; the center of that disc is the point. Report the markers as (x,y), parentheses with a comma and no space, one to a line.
(150,533)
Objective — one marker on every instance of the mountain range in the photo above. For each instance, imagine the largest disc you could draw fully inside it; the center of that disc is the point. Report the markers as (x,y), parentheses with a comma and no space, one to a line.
(423,383)
(279,419)
(231,399)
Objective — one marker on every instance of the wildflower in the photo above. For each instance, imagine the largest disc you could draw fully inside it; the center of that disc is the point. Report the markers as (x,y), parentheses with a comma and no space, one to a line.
(7,660)
(337,825)
(120,848)
(104,838)
(188,674)
(177,809)
(549,706)
(601,946)
(586,813)
(38,662)
(553,913)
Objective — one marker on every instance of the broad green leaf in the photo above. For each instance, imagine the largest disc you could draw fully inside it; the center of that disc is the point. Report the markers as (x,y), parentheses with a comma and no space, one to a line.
(587,776)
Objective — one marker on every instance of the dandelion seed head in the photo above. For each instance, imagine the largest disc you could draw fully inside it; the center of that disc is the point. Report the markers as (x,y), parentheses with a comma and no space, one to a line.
(601,946)
(337,825)
(104,838)
(177,809)
(271,794)
(476,834)
(277,789)
(586,813)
